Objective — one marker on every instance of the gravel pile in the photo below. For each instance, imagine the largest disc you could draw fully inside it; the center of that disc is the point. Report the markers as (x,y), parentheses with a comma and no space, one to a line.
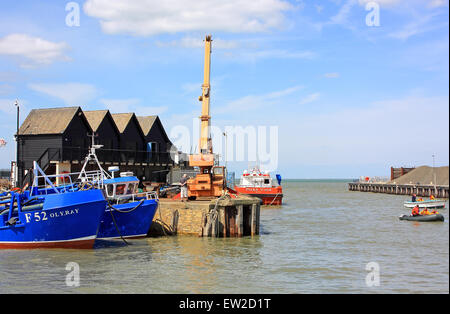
(424,175)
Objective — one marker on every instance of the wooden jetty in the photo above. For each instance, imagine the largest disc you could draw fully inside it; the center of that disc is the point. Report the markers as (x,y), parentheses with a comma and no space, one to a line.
(221,217)
(439,191)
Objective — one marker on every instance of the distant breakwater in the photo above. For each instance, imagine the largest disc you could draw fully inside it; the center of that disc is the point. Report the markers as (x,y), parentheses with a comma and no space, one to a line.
(439,191)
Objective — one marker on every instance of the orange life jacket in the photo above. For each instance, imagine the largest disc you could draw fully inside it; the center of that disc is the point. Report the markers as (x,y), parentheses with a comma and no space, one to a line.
(415,211)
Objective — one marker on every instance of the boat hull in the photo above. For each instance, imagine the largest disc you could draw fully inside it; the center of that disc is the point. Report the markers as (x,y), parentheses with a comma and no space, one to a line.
(131,223)
(425,218)
(268,196)
(67,220)
(427,204)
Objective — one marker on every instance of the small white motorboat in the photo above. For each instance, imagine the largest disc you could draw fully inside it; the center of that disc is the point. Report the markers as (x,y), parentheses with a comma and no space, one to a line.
(426,203)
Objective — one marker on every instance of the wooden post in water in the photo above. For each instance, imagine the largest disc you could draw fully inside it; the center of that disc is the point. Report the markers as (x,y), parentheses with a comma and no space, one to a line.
(240,220)
(256,208)
(253,221)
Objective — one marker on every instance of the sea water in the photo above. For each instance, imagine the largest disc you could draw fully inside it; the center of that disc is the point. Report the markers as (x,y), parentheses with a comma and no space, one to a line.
(324,239)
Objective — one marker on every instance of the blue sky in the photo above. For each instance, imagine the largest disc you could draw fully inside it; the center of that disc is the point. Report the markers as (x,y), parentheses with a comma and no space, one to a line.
(348,99)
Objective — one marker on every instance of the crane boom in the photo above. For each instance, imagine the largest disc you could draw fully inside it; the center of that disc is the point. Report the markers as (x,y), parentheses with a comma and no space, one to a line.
(205,146)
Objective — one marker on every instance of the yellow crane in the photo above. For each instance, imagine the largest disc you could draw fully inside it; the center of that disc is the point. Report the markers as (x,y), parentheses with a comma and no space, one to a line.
(210,182)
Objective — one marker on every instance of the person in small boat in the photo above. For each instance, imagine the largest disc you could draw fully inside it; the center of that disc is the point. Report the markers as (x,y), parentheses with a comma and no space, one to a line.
(425,212)
(413,199)
(434,212)
(420,199)
(432,197)
(415,211)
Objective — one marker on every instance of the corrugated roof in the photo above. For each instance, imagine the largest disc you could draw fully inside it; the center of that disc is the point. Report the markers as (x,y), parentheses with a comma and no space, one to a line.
(122,120)
(48,121)
(146,123)
(95,118)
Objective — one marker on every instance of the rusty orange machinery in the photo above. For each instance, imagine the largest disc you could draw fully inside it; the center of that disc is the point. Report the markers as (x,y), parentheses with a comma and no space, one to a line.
(210,182)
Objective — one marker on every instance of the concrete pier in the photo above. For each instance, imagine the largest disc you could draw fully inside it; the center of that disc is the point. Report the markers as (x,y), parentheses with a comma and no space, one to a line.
(439,191)
(225,217)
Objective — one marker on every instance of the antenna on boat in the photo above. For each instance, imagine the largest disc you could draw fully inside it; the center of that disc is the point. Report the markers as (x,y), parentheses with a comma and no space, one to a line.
(92,156)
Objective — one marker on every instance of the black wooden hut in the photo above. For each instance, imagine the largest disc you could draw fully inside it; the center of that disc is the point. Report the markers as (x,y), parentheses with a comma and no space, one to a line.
(59,140)
(52,134)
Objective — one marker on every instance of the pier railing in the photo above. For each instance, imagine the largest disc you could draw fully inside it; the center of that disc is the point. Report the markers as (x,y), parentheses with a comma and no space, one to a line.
(439,191)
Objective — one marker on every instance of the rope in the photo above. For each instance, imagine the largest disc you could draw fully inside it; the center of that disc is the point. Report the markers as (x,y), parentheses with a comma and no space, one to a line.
(214,213)
(126,211)
(161,222)
(86,186)
(117,228)
(274,199)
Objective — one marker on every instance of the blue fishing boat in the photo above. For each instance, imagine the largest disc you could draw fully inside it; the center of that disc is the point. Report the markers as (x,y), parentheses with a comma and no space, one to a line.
(128,213)
(124,212)
(58,220)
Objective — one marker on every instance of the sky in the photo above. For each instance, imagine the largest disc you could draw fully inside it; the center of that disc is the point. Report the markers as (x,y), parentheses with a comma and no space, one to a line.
(308,89)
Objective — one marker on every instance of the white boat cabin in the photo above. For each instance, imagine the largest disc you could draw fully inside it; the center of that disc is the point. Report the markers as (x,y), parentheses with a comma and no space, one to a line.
(256,178)
(120,187)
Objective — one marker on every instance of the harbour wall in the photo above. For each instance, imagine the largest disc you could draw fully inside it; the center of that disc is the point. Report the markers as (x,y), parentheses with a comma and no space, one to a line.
(216,218)
(439,191)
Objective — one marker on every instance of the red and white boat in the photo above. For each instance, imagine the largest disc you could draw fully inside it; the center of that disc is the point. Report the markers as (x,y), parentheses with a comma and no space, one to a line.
(259,184)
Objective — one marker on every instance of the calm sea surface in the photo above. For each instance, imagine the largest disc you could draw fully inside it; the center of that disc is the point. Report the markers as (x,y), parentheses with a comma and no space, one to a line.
(320,241)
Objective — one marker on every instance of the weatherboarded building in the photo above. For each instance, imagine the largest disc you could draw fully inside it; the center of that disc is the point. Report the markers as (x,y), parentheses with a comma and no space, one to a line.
(50,135)
(105,130)
(59,139)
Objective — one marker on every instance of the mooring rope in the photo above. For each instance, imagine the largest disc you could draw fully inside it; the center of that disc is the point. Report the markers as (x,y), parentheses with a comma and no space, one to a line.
(274,199)
(214,213)
(126,211)
(111,208)
(117,228)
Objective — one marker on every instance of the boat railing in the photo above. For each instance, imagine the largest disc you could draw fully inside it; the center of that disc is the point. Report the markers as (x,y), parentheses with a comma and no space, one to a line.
(137,196)
(68,182)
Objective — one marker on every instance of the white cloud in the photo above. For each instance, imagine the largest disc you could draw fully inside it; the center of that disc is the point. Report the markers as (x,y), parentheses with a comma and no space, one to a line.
(392,3)
(70,93)
(35,50)
(309,99)
(132,105)
(421,24)
(252,102)
(438,3)
(382,3)
(253,55)
(332,75)
(150,17)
